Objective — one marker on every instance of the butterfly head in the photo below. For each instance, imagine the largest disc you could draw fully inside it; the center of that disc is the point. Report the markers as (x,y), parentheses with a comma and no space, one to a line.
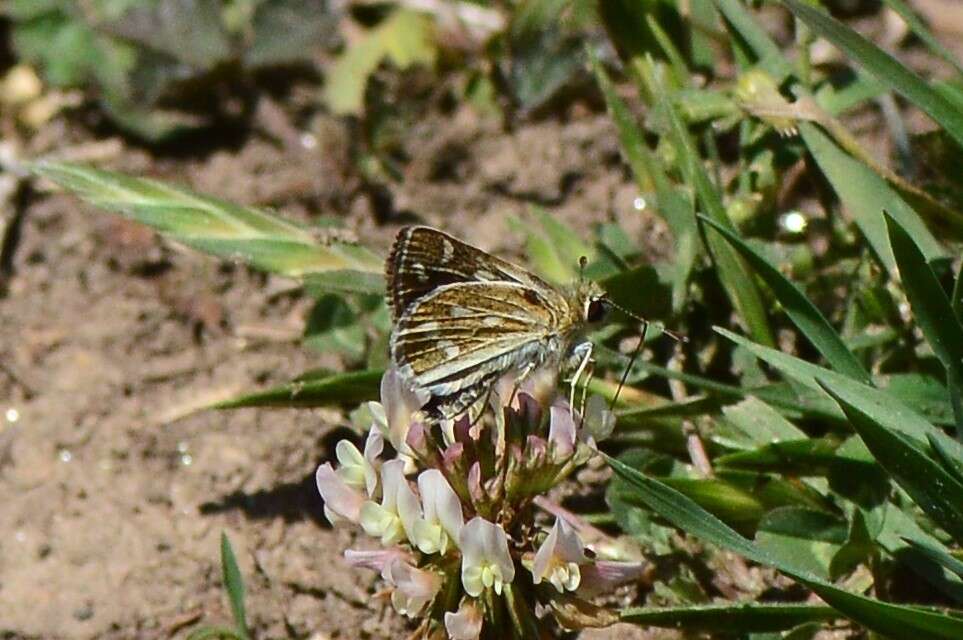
(592,303)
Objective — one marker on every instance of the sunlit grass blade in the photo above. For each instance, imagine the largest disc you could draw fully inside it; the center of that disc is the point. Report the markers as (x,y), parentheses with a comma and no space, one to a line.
(746,27)
(934,489)
(889,619)
(739,617)
(878,404)
(865,194)
(884,66)
(736,279)
(800,310)
(931,310)
(675,207)
(234,586)
(334,390)
(809,457)
(223,229)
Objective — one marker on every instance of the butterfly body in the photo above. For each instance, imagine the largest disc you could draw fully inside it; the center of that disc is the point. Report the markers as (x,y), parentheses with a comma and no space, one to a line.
(463,319)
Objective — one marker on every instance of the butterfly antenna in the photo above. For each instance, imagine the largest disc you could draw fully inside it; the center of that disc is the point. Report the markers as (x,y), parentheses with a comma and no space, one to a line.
(678,337)
(582,263)
(625,375)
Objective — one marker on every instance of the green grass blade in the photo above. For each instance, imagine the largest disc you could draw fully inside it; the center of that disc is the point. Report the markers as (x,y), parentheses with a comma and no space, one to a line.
(886,68)
(800,310)
(338,389)
(881,406)
(919,29)
(675,208)
(938,554)
(733,273)
(865,194)
(223,229)
(889,619)
(745,26)
(931,309)
(740,617)
(234,585)
(934,489)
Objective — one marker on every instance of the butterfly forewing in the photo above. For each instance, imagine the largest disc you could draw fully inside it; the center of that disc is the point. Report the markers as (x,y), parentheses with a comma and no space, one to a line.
(464,318)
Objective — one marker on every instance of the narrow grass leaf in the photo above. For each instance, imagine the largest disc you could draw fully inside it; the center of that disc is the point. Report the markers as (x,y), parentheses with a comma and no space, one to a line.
(923,33)
(800,310)
(884,66)
(938,554)
(234,585)
(740,617)
(950,453)
(742,22)
(889,619)
(865,195)
(223,229)
(803,458)
(931,486)
(673,206)
(334,390)
(931,309)
(736,279)
(880,405)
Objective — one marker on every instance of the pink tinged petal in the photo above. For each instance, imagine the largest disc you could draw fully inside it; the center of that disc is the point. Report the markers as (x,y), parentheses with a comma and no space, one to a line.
(340,500)
(392,477)
(486,561)
(604,575)
(414,588)
(475,483)
(377,560)
(400,401)
(561,432)
(466,624)
(441,503)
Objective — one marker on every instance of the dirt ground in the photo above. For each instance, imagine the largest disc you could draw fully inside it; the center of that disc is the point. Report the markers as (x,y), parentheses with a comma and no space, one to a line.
(114,495)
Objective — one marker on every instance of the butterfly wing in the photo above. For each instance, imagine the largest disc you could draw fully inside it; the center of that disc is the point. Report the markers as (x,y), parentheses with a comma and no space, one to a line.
(457,340)
(423,259)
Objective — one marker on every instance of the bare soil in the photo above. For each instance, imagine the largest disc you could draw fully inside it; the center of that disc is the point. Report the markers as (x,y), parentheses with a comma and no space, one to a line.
(114,491)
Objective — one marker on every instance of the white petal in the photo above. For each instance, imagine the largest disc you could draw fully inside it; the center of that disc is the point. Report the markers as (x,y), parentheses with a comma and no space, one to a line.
(570,547)
(409,509)
(392,476)
(561,432)
(441,503)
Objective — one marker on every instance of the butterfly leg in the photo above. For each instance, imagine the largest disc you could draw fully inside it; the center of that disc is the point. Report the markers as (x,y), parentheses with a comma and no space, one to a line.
(589,374)
(583,352)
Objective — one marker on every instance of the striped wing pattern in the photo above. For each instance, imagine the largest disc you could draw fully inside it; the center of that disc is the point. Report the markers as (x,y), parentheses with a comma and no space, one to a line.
(464,318)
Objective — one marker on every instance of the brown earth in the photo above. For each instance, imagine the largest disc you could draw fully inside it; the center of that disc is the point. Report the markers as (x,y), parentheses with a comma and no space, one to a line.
(114,494)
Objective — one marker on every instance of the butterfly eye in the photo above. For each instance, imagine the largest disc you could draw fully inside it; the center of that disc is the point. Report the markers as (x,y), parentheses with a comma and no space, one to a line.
(595,311)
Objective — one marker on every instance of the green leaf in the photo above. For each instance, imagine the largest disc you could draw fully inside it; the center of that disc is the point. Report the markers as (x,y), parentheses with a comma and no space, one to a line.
(770,56)
(939,554)
(234,585)
(733,273)
(806,537)
(865,195)
(934,489)
(807,457)
(338,389)
(760,422)
(889,619)
(214,226)
(554,249)
(673,206)
(880,405)
(405,38)
(919,29)
(885,67)
(801,311)
(740,617)
(334,327)
(932,310)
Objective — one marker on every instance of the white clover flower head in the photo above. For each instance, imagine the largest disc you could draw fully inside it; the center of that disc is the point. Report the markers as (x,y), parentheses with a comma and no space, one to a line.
(486,562)
(383,520)
(559,557)
(483,468)
(466,623)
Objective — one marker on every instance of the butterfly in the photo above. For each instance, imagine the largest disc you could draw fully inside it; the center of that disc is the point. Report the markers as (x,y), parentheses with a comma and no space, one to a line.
(463,319)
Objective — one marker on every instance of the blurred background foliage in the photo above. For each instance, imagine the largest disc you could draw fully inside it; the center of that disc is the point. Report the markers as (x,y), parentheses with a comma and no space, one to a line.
(812,422)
